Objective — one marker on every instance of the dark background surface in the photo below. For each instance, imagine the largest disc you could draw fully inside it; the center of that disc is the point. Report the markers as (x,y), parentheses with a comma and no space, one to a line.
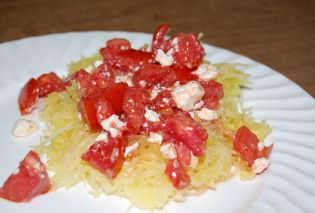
(278,33)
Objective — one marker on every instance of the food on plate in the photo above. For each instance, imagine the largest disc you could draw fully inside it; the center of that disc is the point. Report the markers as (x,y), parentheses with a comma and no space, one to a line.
(150,125)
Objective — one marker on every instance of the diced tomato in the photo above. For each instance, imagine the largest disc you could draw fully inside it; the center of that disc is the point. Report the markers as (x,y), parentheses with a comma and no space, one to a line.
(163,101)
(102,76)
(265,152)
(107,157)
(159,35)
(104,109)
(181,74)
(213,93)
(181,128)
(48,83)
(177,174)
(131,60)
(188,51)
(115,95)
(151,74)
(88,110)
(28,96)
(183,154)
(135,100)
(84,79)
(29,181)
(246,144)
(118,44)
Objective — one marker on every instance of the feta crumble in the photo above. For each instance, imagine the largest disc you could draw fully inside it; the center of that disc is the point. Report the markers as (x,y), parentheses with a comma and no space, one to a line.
(165,59)
(206,72)
(168,151)
(187,95)
(24,127)
(102,137)
(113,125)
(155,138)
(260,164)
(131,148)
(207,114)
(150,115)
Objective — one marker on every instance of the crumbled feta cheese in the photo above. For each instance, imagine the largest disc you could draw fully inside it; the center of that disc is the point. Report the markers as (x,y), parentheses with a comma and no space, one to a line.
(198,105)
(155,138)
(37,166)
(206,72)
(173,174)
(192,114)
(113,125)
(260,164)
(193,161)
(154,93)
(175,44)
(142,83)
(97,63)
(23,128)
(127,78)
(89,69)
(131,148)
(187,95)
(166,100)
(165,59)
(150,115)
(168,151)
(207,114)
(114,155)
(102,137)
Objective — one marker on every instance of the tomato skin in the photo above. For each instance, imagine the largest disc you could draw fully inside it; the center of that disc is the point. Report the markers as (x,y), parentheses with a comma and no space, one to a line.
(114,94)
(134,102)
(107,157)
(130,60)
(118,44)
(48,83)
(28,96)
(213,93)
(87,108)
(246,144)
(30,181)
(177,174)
(159,35)
(181,128)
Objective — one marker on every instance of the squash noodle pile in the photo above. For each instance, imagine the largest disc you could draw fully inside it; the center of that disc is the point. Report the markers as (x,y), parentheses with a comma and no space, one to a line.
(142,179)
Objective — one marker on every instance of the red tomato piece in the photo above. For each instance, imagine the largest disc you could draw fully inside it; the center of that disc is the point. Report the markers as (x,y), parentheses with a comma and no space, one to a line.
(30,181)
(163,101)
(183,154)
(188,51)
(177,174)
(151,74)
(107,157)
(118,44)
(246,144)
(86,84)
(181,74)
(135,100)
(213,93)
(87,107)
(28,96)
(159,35)
(181,128)
(114,94)
(265,152)
(104,109)
(102,77)
(48,83)
(131,60)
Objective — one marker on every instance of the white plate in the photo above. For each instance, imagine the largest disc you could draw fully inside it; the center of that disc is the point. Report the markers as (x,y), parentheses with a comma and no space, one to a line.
(288,186)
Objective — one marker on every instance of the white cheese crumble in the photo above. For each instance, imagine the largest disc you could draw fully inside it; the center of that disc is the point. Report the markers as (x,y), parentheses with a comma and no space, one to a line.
(150,115)
(168,151)
(187,95)
(193,161)
(113,125)
(207,114)
(260,164)
(127,78)
(97,63)
(155,138)
(24,127)
(89,69)
(131,148)
(198,105)
(102,137)
(154,93)
(165,59)
(37,166)
(206,72)
(142,83)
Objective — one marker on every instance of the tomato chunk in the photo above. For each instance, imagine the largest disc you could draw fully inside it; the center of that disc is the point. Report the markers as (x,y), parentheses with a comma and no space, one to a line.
(163,101)
(177,174)
(118,44)
(132,60)
(246,144)
(102,76)
(104,109)
(107,157)
(181,128)
(135,100)
(28,96)
(115,94)
(48,83)
(29,181)
(159,35)
(183,154)
(87,107)
(213,93)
